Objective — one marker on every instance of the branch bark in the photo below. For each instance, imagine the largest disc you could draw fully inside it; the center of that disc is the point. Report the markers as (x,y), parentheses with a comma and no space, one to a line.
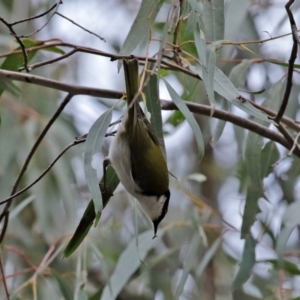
(166,105)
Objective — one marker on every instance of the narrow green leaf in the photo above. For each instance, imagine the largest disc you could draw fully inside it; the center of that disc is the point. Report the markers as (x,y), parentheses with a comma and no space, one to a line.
(200,42)
(208,256)
(82,294)
(188,264)
(269,156)
(141,26)
(128,263)
(54,49)
(194,9)
(237,76)
(253,159)
(211,71)
(239,72)
(97,295)
(285,265)
(290,220)
(251,209)
(10,87)
(14,62)
(196,6)
(236,11)
(253,149)
(16,210)
(287,184)
(189,117)
(213,18)
(89,215)
(103,263)
(224,87)
(220,125)
(63,286)
(247,263)
(93,144)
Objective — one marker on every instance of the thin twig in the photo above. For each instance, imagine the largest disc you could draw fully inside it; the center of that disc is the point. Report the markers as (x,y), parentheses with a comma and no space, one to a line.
(3,276)
(286,134)
(21,254)
(90,32)
(77,141)
(23,48)
(44,172)
(5,213)
(55,7)
(18,273)
(37,16)
(295,144)
(49,61)
(285,120)
(41,266)
(18,38)
(292,59)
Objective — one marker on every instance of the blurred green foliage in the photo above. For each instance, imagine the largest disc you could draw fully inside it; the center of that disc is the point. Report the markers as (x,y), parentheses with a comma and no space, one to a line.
(251,186)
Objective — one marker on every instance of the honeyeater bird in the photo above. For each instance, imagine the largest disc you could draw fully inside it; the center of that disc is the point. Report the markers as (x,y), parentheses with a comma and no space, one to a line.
(136,155)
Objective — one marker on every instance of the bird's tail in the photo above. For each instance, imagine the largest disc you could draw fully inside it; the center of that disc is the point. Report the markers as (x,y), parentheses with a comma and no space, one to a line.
(131,72)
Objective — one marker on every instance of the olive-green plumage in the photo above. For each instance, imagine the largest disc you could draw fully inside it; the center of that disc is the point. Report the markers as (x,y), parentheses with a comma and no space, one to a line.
(148,164)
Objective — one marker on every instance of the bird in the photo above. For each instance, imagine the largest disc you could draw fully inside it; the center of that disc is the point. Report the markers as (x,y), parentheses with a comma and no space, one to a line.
(136,155)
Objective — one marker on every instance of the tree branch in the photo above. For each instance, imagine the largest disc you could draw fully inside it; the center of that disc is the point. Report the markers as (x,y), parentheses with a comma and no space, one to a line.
(64,87)
(239,121)
(292,59)
(167,105)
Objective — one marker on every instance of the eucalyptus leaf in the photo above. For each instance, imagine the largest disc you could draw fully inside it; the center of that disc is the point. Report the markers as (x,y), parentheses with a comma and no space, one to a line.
(220,125)
(290,220)
(189,117)
(93,144)
(210,252)
(140,27)
(255,169)
(63,286)
(128,263)
(224,87)
(286,265)
(238,73)
(188,264)
(237,77)
(200,42)
(269,155)
(213,18)
(247,263)
(14,61)
(210,82)
(253,150)
(16,210)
